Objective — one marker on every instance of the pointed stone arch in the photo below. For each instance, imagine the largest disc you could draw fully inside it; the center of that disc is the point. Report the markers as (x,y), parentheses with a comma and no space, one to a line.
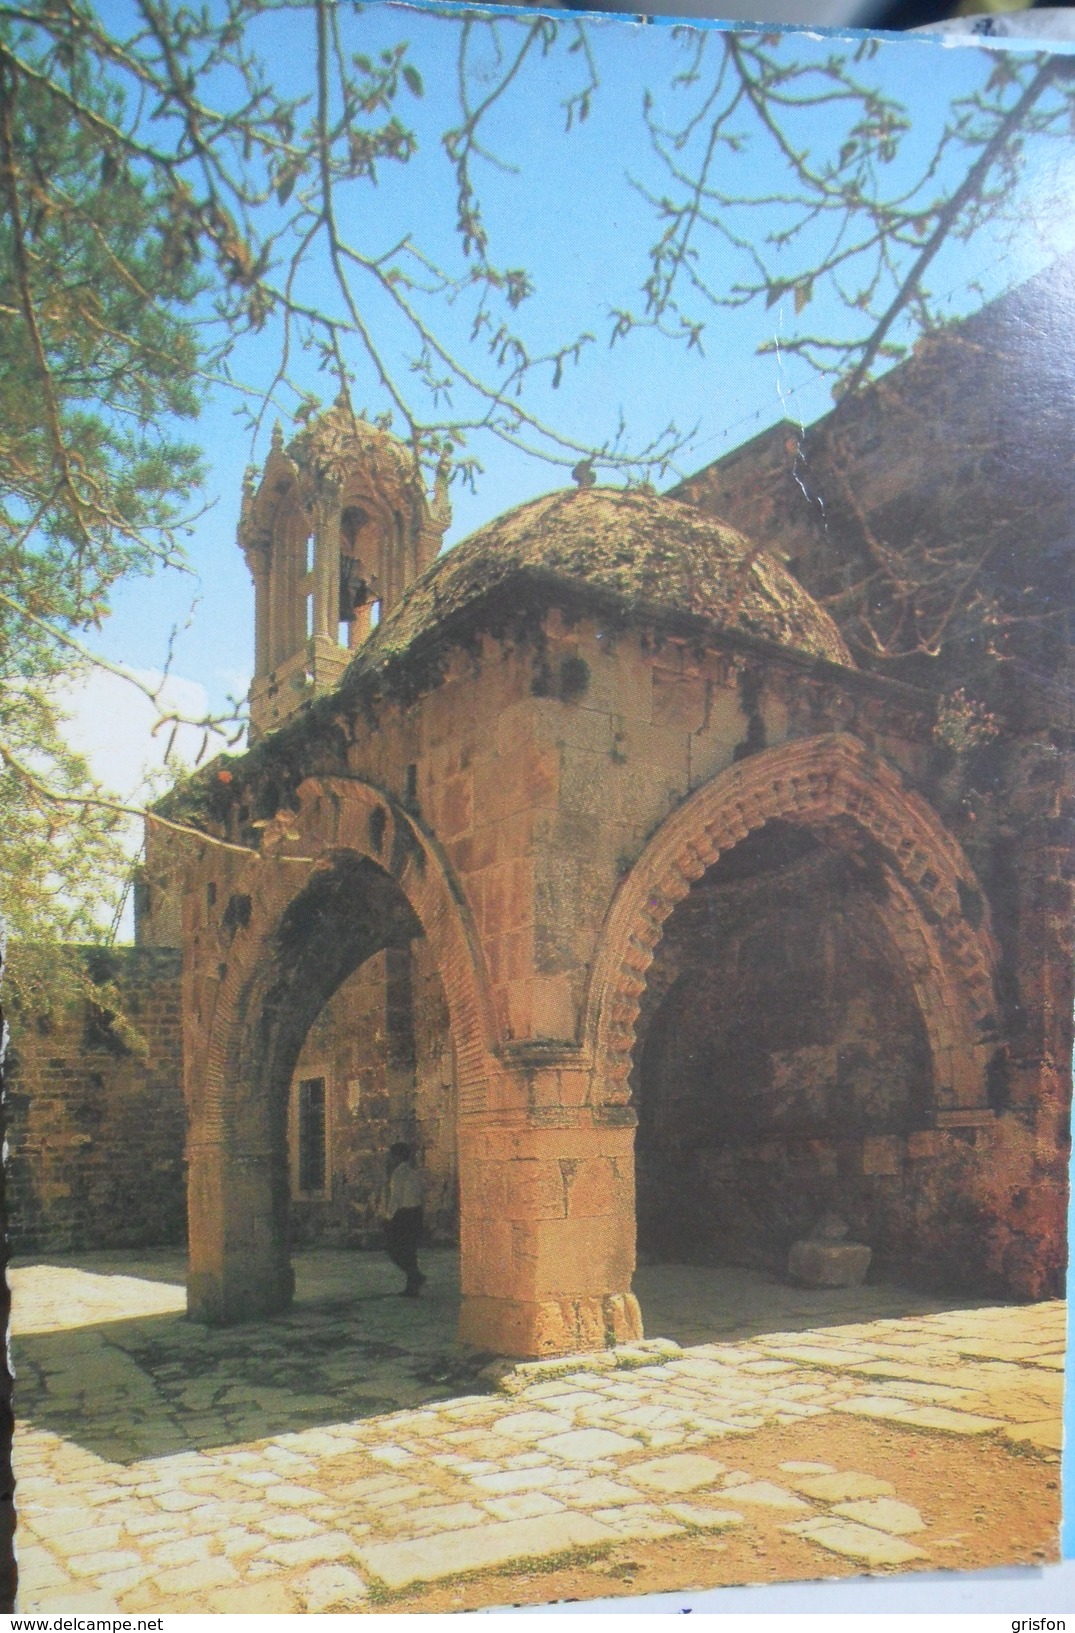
(935,910)
(236,1147)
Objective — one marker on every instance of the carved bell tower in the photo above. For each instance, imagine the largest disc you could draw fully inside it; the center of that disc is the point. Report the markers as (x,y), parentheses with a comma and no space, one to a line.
(337,529)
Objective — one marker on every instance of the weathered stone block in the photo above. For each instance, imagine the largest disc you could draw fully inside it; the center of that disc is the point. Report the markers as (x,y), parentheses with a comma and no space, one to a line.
(829,1264)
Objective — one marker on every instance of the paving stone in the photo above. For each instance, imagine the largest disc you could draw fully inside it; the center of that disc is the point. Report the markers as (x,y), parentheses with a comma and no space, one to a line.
(311,1550)
(505,1482)
(599,1493)
(889,1409)
(199,1578)
(393,1455)
(858,1542)
(74,1601)
(91,1539)
(819,1353)
(291,1496)
(287,1526)
(248,1542)
(683,1471)
(583,1445)
(1049,1435)
(532,1425)
(372,1485)
(448,1517)
(946,1421)
(40,1570)
(767,1495)
(525,1460)
(184,1552)
(252,1599)
(58,1521)
(398,1564)
(705,1519)
(900,1519)
(636,1525)
(123,1581)
(331,1587)
(117,1559)
(528,1505)
(841,1488)
(660,1438)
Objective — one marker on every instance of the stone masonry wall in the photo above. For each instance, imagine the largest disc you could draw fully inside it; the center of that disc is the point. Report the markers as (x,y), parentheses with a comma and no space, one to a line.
(382,1045)
(96,1127)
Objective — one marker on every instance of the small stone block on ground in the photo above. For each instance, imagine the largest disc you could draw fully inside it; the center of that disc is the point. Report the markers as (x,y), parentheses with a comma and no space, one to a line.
(828,1264)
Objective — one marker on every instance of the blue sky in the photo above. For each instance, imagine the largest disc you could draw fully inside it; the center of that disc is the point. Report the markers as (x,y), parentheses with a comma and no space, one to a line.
(565,210)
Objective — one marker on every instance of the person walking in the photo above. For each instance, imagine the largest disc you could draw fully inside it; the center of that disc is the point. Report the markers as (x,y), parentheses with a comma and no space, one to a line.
(403,1216)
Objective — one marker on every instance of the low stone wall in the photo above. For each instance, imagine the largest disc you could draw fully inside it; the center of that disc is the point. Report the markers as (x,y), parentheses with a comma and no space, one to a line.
(95,1128)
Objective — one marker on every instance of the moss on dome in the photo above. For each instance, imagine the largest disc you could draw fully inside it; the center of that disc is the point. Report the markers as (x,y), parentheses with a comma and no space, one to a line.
(651,553)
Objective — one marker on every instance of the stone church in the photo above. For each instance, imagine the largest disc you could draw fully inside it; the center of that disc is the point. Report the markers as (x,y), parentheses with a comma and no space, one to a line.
(598,858)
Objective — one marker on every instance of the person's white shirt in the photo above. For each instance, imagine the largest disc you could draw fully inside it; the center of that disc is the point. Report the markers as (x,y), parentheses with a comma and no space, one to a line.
(404,1189)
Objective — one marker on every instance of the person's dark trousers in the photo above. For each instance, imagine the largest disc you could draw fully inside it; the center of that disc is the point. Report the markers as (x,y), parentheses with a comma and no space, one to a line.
(402,1235)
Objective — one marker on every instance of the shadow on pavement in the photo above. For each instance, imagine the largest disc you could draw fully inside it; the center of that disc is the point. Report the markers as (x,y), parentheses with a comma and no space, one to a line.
(151,1385)
(106,1358)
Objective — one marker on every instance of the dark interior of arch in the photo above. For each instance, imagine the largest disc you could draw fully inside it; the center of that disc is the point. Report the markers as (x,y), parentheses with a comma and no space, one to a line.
(344,916)
(780,1057)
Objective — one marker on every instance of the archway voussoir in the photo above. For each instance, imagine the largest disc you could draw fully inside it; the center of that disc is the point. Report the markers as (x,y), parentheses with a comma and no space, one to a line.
(812,781)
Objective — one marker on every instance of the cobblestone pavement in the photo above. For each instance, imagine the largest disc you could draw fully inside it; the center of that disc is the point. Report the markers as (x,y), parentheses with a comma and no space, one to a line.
(340,1454)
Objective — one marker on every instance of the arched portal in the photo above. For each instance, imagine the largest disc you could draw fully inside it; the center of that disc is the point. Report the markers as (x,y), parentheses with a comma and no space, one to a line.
(796,981)
(346,878)
(779,1044)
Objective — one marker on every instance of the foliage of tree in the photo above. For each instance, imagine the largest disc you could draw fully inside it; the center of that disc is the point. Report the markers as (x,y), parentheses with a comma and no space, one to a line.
(97,367)
(852,204)
(169,186)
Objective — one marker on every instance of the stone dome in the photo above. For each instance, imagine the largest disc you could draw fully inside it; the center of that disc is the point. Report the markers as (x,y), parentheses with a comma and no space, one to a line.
(651,552)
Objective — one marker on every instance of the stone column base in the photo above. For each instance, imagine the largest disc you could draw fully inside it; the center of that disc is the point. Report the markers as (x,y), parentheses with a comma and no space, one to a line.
(529,1331)
(221,1301)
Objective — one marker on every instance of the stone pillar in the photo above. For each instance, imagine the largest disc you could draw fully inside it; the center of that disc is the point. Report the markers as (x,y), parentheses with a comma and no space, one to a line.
(259,569)
(326,569)
(547,1233)
(240,1267)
